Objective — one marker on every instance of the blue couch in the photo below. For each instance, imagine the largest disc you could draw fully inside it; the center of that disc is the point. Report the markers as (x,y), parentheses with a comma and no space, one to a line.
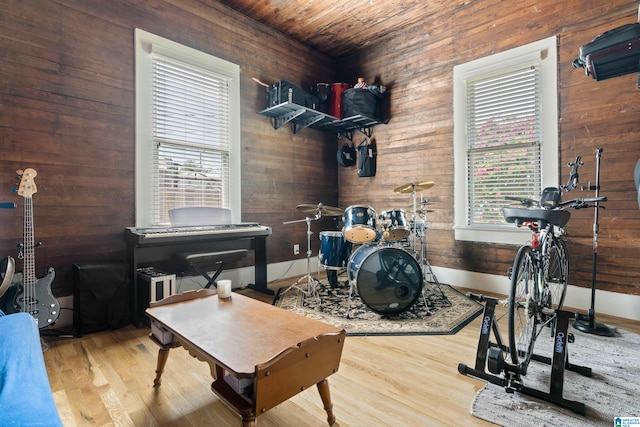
(25,393)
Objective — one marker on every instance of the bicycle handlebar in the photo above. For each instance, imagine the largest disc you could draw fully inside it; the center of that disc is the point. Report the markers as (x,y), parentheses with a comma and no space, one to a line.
(584,202)
(529,201)
(573,203)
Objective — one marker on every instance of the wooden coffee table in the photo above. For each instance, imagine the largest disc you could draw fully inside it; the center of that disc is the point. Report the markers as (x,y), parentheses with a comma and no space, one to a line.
(259,355)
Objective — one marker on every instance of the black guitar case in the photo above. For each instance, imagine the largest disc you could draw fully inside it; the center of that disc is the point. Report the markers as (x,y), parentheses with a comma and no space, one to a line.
(611,54)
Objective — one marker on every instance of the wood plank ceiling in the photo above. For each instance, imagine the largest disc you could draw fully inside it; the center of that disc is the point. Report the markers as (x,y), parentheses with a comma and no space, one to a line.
(338,27)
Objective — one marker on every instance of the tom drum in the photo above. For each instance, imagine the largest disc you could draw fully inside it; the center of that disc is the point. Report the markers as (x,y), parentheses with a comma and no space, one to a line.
(395,223)
(334,250)
(359,224)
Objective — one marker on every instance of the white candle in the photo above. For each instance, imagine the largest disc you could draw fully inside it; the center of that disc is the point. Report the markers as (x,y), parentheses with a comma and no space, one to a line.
(224,288)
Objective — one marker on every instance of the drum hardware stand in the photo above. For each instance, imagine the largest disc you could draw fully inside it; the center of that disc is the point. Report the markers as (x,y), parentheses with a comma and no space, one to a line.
(352,286)
(508,375)
(587,322)
(427,271)
(311,282)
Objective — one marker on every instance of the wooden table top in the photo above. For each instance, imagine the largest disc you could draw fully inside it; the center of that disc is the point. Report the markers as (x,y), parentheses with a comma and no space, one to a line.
(239,332)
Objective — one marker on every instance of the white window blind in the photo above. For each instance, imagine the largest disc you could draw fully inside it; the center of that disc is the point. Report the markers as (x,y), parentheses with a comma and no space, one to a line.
(504,136)
(190,136)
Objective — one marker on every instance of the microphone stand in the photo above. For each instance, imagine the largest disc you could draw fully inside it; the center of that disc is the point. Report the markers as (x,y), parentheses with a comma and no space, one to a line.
(587,323)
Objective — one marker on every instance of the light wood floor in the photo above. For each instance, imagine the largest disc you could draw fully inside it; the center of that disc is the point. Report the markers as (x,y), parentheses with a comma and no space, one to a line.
(105,379)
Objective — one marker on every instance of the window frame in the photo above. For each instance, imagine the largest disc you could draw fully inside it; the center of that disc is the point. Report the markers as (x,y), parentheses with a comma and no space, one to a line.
(544,51)
(145,44)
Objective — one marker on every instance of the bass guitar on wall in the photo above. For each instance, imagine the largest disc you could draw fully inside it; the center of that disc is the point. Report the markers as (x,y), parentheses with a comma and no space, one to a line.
(32,295)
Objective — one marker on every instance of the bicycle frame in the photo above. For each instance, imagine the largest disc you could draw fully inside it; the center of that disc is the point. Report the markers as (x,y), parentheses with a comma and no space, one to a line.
(543,238)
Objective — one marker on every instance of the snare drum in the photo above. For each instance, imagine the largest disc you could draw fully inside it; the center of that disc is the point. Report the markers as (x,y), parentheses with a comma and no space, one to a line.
(359,224)
(396,223)
(389,280)
(334,250)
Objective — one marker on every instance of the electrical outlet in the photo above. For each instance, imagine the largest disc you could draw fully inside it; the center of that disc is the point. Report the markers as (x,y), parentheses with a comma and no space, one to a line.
(296,249)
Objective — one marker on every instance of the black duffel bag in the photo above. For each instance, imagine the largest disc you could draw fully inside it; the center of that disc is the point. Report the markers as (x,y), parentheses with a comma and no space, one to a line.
(359,102)
(615,37)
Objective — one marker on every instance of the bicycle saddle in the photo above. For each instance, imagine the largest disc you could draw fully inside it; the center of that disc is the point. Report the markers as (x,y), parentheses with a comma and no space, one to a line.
(520,215)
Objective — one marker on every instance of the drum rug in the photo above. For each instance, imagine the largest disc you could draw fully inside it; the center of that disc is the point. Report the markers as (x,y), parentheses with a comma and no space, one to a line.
(446,311)
(611,392)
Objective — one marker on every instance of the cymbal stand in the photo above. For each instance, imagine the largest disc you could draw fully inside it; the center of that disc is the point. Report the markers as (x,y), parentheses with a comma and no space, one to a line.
(427,272)
(311,282)
(428,276)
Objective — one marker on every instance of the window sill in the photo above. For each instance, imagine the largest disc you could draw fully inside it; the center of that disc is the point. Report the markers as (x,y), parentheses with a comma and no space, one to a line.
(507,235)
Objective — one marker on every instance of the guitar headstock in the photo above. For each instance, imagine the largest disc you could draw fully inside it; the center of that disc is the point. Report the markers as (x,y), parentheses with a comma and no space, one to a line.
(27,187)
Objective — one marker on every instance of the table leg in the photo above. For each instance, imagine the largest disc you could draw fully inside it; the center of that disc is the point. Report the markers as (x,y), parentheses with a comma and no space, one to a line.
(249,422)
(325,395)
(163,355)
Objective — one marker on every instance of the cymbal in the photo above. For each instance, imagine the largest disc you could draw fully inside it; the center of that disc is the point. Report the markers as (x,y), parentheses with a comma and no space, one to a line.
(320,208)
(414,186)
(420,205)
(422,209)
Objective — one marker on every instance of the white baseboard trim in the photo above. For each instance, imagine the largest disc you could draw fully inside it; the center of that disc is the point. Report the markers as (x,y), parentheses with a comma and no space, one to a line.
(611,303)
(241,277)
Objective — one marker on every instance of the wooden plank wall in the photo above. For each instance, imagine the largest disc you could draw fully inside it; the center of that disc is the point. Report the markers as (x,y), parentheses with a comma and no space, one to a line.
(67,110)
(416,144)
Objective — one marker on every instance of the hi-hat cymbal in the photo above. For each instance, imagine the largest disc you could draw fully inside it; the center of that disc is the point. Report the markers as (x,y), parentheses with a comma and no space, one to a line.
(422,203)
(320,208)
(414,186)
(420,209)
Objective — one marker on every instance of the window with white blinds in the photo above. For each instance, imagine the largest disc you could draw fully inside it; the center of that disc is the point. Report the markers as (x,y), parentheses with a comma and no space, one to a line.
(504,138)
(191,129)
(187,130)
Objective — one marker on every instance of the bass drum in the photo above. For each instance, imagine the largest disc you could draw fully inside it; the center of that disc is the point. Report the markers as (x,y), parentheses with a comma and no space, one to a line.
(388,279)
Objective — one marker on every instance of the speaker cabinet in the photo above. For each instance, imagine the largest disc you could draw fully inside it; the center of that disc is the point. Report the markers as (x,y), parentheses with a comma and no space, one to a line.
(101,297)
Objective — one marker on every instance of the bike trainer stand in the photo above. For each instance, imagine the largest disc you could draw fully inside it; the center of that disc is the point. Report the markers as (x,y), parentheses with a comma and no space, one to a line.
(508,375)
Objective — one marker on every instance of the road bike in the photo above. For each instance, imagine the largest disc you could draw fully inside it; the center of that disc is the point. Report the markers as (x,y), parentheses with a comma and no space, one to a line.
(541,267)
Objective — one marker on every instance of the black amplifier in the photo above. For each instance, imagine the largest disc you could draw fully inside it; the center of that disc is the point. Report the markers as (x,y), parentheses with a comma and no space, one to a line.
(284,91)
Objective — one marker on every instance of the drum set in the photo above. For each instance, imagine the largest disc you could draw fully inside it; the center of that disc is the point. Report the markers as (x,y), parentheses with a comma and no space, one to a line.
(383,255)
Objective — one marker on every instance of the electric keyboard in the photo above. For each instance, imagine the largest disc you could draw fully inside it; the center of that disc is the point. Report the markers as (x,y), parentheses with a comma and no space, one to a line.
(154,246)
(195,232)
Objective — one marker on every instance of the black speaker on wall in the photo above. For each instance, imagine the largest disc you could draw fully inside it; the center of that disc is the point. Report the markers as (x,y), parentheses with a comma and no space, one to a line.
(101,296)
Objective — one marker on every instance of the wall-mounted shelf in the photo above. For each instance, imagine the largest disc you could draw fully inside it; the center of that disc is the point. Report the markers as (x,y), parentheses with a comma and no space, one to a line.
(302,117)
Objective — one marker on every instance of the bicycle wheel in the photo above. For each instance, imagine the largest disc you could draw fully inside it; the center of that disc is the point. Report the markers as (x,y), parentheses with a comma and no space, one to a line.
(556,270)
(522,307)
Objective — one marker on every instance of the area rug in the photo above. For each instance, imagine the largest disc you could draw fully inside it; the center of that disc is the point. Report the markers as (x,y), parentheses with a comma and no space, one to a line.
(446,311)
(612,392)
